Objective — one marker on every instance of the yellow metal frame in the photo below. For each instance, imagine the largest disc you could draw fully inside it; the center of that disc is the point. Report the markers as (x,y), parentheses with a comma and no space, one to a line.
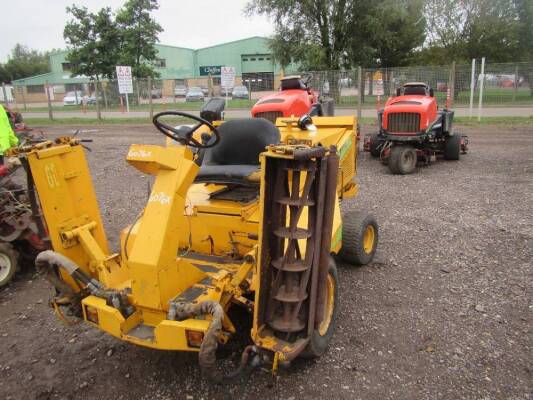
(179,218)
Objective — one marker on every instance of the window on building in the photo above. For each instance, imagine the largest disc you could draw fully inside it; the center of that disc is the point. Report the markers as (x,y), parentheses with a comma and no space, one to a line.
(216,80)
(260,59)
(67,66)
(252,59)
(245,59)
(35,88)
(180,82)
(71,87)
(160,63)
(268,58)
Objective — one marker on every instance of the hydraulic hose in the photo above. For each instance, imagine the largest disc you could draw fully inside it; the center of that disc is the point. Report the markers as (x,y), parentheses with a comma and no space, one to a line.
(116,298)
(207,355)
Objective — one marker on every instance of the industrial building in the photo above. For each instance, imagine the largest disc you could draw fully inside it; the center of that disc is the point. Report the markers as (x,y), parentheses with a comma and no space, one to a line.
(251,58)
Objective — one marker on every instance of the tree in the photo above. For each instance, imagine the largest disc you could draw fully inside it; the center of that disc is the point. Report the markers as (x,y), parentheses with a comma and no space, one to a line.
(4,75)
(94,44)
(464,29)
(24,62)
(333,34)
(316,29)
(524,9)
(140,34)
(395,28)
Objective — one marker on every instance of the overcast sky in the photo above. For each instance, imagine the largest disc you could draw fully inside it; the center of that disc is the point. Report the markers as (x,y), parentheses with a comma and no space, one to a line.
(39,24)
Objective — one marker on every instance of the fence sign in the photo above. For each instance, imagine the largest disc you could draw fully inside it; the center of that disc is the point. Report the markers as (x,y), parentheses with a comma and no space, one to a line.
(227,78)
(214,70)
(125,83)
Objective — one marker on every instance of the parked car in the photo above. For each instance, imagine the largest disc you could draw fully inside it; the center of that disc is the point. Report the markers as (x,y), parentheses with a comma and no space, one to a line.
(156,93)
(240,92)
(194,94)
(74,98)
(180,91)
(225,91)
(91,100)
(205,90)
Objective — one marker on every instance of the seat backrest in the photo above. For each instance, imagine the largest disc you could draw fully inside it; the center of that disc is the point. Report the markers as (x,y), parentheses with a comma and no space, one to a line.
(292,83)
(241,142)
(414,90)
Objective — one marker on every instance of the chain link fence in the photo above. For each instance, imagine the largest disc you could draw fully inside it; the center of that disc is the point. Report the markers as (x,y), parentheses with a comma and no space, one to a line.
(509,85)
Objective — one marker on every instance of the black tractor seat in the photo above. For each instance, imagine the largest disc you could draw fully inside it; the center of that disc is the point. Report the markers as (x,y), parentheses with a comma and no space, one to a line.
(235,159)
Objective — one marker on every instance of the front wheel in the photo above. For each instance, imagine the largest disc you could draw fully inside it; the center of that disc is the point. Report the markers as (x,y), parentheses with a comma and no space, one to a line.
(376,145)
(323,333)
(360,234)
(452,147)
(8,263)
(402,160)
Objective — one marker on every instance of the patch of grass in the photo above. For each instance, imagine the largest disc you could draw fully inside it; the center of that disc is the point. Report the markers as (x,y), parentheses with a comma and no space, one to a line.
(494,121)
(363,121)
(196,105)
(94,121)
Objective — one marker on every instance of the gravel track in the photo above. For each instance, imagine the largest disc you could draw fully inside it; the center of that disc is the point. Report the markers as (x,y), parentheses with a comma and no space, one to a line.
(443,312)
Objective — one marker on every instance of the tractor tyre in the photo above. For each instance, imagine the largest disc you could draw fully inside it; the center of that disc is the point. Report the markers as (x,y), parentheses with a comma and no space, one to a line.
(452,147)
(402,160)
(360,234)
(322,335)
(375,145)
(8,263)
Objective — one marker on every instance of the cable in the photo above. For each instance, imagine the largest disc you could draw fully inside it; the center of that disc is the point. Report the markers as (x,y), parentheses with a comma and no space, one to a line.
(126,256)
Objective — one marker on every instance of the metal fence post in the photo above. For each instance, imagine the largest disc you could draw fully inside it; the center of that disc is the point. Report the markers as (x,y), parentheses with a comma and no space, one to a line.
(452,84)
(150,98)
(482,78)
(515,86)
(472,87)
(23,96)
(50,113)
(174,91)
(104,94)
(139,92)
(97,97)
(359,95)
(6,100)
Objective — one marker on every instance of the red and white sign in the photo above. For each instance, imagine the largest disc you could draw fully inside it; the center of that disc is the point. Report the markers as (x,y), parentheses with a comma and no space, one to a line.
(125,83)
(227,77)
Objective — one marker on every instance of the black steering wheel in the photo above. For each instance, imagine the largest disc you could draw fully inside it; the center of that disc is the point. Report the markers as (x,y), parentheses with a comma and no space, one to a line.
(185,136)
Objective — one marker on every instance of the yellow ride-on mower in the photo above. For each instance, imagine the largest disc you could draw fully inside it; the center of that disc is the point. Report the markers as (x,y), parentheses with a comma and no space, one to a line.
(249,216)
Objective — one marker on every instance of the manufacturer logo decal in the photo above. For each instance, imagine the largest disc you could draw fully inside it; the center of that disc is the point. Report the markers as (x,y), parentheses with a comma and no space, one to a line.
(139,154)
(160,197)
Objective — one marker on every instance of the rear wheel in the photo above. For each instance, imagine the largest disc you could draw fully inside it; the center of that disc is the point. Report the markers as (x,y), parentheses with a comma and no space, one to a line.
(8,263)
(360,234)
(452,147)
(402,160)
(322,335)
(375,145)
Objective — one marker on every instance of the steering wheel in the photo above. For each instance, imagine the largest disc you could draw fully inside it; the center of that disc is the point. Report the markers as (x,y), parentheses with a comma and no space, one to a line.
(185,137)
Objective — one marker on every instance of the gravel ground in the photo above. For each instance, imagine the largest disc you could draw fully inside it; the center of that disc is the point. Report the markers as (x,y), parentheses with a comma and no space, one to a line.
(443,312)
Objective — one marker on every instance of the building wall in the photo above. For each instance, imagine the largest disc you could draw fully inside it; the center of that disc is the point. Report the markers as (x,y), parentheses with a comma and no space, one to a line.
(179,62)
(249,56)
(231,55)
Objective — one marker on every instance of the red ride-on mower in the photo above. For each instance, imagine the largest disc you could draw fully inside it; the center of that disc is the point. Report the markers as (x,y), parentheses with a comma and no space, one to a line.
(412,128)
(294,99)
